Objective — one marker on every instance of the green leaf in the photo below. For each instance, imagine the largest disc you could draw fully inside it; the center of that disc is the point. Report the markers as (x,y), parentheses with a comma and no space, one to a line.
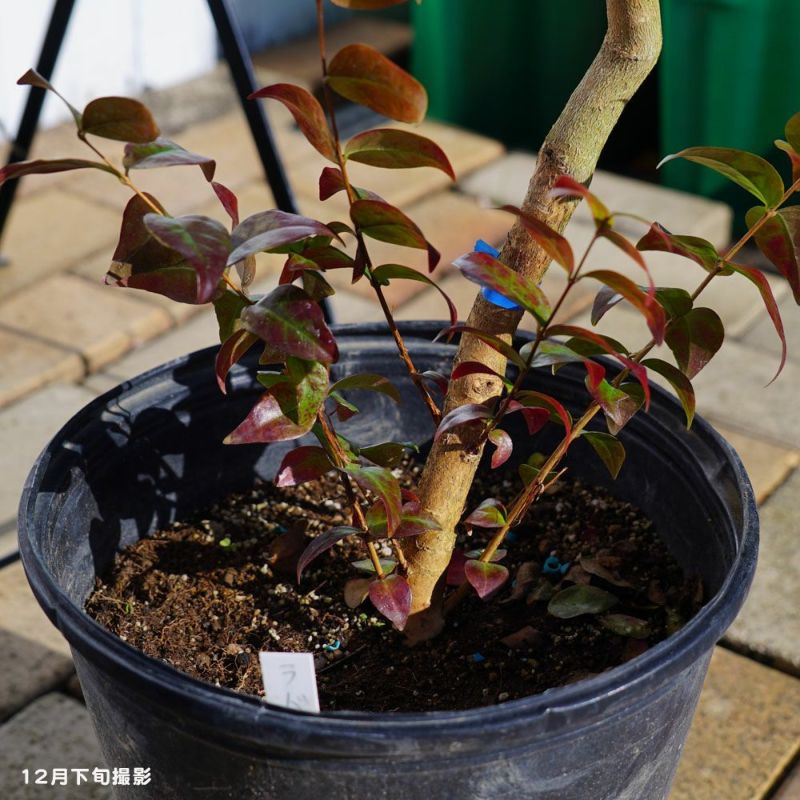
(698,250)
(679,382)
(203,242)
(388,272)
(624,625)
(291,324)
(779,240)
(552,242)
(490,513)
(386,454)
(382,483)
(365,565)
(748,170)
(270,230)
(46,166)
(580,599)
(384,222)
(164,153)
(397,149)
(694,338)
(676,302)
(369,382)
(609,448)
(120,118)
(307,113)
(364,75)
(228,307)
(483,269)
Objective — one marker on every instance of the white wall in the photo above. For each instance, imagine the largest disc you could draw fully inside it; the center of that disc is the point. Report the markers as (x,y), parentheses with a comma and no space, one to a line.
(111,47)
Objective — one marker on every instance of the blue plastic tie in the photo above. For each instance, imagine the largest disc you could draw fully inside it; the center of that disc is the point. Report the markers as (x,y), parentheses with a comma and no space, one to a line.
(495,298)
(553,566)
(331,648)
(477,658)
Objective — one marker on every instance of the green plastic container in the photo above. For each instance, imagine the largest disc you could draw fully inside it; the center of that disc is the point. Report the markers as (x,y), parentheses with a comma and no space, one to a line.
(475,56)
(730,76)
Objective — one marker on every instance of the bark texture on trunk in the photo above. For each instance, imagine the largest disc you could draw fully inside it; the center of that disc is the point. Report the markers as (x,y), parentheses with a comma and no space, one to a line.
(629,52)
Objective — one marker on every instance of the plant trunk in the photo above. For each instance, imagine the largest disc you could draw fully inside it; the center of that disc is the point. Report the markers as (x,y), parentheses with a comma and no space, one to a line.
(629,52)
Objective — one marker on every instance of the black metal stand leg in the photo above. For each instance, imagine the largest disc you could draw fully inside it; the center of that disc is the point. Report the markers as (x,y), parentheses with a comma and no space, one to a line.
(54,38)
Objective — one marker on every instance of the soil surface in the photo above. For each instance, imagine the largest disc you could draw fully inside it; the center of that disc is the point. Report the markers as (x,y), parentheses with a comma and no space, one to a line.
(208,594)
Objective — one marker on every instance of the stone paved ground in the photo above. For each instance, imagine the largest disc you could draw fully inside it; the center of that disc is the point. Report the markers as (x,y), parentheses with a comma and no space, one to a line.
(65,338)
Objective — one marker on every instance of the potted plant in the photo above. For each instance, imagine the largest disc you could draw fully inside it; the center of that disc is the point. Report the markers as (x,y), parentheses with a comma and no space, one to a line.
(151,452)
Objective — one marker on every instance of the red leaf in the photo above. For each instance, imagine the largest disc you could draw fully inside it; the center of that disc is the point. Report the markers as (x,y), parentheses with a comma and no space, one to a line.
(232,349)
(319,544)
(485,577)
(483,269)
(397,149)
(386,223)
(269,230)
(176,283)
(762,284)
(291,324)
(392,597)
(120,118)
(388,272)
(44,167)
(364,75)
(437,379)
(229,201)
(552,242)
(302,464)
(202,241)
(779,240)
(569,187)
(307,113)
(455,569)
(164,153)
(533,399)
(694,338)
(468,413)
(473,368)
(490,513)
(504,446)
(535,417)
(330,182)
(265,423)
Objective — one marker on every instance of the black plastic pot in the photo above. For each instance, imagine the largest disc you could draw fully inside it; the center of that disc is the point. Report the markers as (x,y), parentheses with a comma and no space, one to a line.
(150,451)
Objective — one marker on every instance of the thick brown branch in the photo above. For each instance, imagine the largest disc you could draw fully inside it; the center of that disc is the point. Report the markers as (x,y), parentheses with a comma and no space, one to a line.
(629,52)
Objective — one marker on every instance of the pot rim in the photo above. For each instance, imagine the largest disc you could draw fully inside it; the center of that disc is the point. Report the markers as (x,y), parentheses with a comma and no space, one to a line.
(657,665)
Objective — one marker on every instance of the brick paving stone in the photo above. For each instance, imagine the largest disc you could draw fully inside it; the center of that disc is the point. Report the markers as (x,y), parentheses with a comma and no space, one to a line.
(53,732)
(29,363)
(506,181)
(25,428)
(769,623)
(789,788)
(34,657)
(47,232)
(768,465)
(8,540)
(71,312)
(745,733)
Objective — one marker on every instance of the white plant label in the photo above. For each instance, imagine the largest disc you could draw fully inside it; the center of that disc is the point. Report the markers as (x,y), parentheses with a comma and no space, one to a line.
(290,680)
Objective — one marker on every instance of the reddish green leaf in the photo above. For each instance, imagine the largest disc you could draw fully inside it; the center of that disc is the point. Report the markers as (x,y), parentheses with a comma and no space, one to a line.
(609,448)
(675,302)
(617,404)
(201,241)
(302,464)
(679,382)
(580,599)
(120,118)
(549,352)
(498,554)
(490,513)
(382,483)
(367,5)
(387,272)
(625,625)
(43,167)
(645,304)
(292,325)
(758,278)
(558,413)
(483,269)
(392,597)
(367,381)
(794,158)
(232,349)
(33,78)
(694,338)
(699,250)
(356,591)
(748,170)
(176,283)
(437,379)
(307,113)
(569,187)
(503,447)
(397,149)
(384,222)
(229,201)
(465,368)
(535,417)
(364,75)
(319,544)
(779,240)
(265,423)
(164,153)
(552,242)
(413,521)
(269,230)
(470,413)
(386,454)
(485,577)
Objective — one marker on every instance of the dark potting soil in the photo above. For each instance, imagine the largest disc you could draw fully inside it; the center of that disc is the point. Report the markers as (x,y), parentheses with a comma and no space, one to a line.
(208,594)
